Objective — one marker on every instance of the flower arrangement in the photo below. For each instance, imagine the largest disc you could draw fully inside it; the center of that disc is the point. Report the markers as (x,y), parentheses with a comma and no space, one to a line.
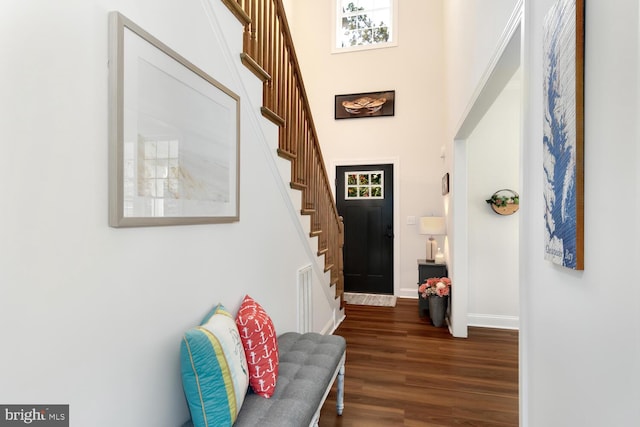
(502,201)
(439,286)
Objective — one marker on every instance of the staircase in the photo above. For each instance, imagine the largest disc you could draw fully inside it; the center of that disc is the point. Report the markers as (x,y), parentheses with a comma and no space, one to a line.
(269,53)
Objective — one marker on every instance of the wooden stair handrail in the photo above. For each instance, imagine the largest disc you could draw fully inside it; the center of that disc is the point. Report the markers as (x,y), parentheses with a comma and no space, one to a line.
(269,53)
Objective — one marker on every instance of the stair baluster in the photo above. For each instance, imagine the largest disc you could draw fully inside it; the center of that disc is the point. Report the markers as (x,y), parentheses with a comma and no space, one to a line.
(269,53)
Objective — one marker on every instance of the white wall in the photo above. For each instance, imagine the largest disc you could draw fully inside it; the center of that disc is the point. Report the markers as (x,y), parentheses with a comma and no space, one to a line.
(493,156)
(90,315)
(579,331)
(412,138)
(473,30)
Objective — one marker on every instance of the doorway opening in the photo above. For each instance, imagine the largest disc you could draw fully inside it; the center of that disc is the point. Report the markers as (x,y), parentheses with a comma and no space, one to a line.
(504,65)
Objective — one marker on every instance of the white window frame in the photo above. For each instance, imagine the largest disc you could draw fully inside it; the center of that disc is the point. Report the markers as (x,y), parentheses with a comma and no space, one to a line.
(359,186)
(337,26)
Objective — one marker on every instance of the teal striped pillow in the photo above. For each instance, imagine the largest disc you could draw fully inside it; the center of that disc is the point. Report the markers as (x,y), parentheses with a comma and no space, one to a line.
(214,370)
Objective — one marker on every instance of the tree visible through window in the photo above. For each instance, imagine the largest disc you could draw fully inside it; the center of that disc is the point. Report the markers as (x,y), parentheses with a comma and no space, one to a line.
(364,22)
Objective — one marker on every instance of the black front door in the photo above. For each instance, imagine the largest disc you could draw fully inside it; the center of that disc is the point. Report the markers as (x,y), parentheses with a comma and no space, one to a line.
(364,197)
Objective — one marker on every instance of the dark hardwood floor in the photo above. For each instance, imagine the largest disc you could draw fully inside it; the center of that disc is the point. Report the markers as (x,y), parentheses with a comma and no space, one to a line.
(401,371)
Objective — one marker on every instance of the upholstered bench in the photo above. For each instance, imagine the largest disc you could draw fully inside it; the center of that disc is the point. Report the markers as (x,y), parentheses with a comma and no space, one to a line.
(308,365)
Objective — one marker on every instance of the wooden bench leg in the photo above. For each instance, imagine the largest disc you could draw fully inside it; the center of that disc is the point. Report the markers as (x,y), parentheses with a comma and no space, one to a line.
(340,396)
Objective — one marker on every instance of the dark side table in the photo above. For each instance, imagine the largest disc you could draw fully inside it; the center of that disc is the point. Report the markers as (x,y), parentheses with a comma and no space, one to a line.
(426,270)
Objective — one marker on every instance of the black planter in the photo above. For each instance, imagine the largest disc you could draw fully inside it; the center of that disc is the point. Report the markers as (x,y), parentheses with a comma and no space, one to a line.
(438,309)
(423,306)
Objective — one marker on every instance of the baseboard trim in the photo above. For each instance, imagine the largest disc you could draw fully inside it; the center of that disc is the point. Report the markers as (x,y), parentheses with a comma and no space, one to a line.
(408,292)
(331,326)
(493,321)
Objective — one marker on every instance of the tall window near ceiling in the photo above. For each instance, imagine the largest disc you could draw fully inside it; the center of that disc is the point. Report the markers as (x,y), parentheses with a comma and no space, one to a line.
(365,24)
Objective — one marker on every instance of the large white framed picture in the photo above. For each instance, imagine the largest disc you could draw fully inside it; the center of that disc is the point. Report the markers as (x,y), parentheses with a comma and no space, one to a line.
(174,136)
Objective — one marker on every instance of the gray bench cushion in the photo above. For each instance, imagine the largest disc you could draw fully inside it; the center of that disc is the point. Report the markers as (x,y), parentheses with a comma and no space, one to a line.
(307,365)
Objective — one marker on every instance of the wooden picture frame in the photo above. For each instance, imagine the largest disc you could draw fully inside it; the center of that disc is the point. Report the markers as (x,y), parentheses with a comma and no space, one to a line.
(174,136)
(369,104)
(563,72)
(445,184)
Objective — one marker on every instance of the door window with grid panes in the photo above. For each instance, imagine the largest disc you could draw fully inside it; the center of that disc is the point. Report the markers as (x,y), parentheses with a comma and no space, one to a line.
(364,185)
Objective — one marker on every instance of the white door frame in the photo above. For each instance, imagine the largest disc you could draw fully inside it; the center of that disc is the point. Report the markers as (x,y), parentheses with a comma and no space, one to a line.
(504,63)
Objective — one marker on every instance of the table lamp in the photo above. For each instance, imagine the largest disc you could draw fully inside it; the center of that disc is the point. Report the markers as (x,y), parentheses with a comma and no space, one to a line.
(432,226)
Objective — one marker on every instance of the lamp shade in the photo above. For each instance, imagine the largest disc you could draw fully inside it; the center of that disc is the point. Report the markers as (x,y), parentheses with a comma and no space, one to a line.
(432,225)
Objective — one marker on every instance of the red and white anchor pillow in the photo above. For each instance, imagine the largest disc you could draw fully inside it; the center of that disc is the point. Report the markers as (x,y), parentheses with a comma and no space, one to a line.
(260,344)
